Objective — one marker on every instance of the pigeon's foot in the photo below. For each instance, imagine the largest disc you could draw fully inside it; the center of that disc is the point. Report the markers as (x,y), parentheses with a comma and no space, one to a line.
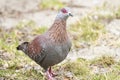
(49,76)
(52,73)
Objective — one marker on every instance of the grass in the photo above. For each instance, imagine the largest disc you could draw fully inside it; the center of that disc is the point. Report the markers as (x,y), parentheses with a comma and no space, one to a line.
(92,26)
(117,13)
(104,61)
(107,12)
(54,4)
(20,75)
(84,69)
(79,68)
(86,30)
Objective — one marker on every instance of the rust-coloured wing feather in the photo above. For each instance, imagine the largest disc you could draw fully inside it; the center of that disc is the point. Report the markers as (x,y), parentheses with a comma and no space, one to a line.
(36,51)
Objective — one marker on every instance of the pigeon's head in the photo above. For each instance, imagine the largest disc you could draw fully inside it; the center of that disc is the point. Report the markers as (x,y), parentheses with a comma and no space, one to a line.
(23,47)
(64,13)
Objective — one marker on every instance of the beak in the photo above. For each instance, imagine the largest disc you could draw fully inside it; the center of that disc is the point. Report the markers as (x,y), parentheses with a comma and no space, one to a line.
(70,15)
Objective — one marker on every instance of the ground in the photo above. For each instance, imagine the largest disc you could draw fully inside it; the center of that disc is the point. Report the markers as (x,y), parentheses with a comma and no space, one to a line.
(94,31)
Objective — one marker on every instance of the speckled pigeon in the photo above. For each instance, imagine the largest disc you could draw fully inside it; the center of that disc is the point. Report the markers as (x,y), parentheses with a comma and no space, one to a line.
(52,47)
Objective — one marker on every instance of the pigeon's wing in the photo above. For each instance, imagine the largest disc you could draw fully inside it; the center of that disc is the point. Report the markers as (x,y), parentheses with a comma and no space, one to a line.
(36,50)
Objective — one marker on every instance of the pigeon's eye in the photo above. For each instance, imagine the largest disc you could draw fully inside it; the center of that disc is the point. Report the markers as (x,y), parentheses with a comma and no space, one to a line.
(64,10)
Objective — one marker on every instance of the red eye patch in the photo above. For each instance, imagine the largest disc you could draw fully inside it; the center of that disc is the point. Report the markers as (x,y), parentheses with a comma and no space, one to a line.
(64,10)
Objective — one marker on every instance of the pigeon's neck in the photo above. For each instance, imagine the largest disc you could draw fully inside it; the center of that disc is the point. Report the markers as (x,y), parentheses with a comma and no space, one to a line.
(57,32)
(61,17)
(58,24)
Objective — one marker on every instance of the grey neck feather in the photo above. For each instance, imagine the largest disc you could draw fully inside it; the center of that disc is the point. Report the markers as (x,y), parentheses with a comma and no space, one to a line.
(61,16)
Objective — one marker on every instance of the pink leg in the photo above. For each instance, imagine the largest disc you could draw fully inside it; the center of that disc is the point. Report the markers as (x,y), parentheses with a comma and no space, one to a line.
(49,76)
(50,71)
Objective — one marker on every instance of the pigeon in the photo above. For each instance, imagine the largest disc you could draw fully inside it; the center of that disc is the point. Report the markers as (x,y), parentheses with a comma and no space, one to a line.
(51,47)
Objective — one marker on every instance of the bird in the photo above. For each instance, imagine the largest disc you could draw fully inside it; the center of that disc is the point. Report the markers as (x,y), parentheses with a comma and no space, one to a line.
(51,47)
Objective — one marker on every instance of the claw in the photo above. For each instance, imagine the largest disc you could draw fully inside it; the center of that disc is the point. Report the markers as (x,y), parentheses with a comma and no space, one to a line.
(49,76)
(50,71)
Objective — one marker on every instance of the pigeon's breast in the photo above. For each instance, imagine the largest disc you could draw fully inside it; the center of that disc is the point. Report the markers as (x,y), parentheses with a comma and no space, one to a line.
(56,53)
(62,50)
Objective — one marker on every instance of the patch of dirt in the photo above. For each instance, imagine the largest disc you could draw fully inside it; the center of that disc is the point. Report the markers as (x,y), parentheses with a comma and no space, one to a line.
(114,27)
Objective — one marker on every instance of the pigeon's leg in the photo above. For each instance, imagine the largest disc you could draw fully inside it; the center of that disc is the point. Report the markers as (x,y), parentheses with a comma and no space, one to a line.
(49,76)
(50,71)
